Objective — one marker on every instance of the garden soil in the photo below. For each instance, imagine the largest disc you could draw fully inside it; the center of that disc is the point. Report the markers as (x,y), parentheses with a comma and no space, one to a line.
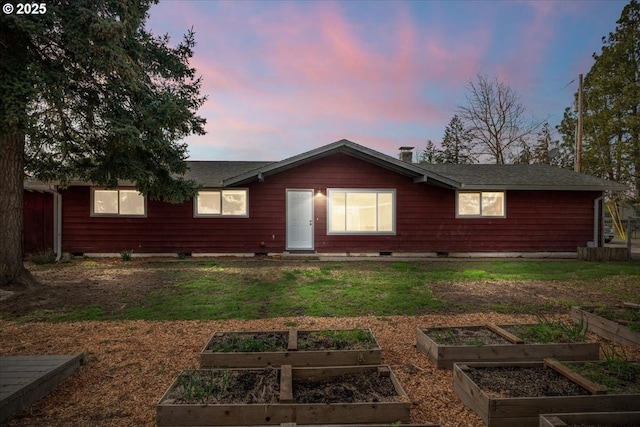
(129,365)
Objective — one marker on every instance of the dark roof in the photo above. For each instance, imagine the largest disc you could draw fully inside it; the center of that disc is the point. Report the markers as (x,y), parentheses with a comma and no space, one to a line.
(213,173)
(519,177)
(461,177)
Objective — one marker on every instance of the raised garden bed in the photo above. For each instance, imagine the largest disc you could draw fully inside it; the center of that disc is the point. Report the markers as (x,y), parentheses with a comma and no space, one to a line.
(616,323)
(599,419)
(257,349)
(509,394)
(328,395)
(491,343)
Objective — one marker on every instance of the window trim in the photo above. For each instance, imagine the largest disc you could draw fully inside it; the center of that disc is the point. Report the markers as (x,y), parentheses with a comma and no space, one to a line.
(392,232)
(116,215)
(220,215)
(481,215)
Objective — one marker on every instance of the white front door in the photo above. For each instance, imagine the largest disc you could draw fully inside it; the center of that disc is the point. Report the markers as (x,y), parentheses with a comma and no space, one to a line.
(299,219)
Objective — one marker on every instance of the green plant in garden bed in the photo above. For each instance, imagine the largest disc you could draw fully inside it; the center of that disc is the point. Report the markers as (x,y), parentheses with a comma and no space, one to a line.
(199,386)
(246,342)
(352,339)
(618,374)
(550,331)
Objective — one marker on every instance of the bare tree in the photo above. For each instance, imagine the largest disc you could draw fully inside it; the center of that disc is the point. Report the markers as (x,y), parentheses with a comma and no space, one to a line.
(495,119)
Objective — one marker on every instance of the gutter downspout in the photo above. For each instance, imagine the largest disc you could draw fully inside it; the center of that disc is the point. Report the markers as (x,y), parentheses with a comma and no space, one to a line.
(57,221)
(597,223)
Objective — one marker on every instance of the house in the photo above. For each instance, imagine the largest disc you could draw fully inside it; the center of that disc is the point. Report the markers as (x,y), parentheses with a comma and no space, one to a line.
(341,199)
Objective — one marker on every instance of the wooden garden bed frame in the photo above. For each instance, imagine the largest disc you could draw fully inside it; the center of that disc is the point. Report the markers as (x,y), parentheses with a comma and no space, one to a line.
(603,419)
(173,414)
(444,356)
(525,411)
(292,356)
(607,328)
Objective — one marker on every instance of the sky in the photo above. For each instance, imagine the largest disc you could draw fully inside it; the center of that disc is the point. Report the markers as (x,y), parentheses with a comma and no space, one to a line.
(285,77)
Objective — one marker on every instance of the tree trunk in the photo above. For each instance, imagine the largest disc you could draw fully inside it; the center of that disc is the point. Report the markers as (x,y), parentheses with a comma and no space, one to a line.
(12,269)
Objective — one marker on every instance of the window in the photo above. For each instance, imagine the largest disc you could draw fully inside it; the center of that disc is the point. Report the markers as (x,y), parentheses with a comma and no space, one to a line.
(478,204)
(118,203)
(222,203)
(361,211)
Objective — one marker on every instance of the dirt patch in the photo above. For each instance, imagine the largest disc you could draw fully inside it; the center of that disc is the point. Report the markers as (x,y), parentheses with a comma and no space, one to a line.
(474,335)
(548,296)
(523,382)
(351,388)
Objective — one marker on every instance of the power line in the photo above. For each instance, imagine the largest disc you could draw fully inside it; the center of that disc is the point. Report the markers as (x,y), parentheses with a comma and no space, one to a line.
(567,85)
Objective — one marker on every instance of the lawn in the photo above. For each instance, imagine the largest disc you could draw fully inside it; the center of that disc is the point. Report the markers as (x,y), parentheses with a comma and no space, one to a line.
(251,289)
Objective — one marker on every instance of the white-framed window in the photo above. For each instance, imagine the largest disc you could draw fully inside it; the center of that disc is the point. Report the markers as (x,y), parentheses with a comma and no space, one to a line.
(361,211)
(216,203)
(118,202)
(481,204)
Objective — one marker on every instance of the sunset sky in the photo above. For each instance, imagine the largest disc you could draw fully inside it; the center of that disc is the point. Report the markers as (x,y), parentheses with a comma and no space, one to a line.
(284,77)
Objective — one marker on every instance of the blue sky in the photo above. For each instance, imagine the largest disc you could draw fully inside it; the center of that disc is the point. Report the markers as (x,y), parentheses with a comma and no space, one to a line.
(284,77)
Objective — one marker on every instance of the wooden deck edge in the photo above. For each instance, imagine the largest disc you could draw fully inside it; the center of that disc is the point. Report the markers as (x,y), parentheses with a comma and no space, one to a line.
(39,387)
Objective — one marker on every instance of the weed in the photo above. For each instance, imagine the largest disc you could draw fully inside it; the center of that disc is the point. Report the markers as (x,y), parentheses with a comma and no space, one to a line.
(126,255)
(551,331)
(198,386)
(617,372)
(44,257)
(446,336)
(336,339)
(246,342)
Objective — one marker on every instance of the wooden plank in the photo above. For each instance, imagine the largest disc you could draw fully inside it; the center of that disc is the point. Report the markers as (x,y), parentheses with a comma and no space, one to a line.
(602,419)
(27,379)
(292,344)
(444,356)
(503,333)
(525,411)
(583,382)
(551,421)
(286,384)
(606,328)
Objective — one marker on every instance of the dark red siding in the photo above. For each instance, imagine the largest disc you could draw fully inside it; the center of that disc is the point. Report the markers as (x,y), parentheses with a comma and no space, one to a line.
(37,217)
(425,219)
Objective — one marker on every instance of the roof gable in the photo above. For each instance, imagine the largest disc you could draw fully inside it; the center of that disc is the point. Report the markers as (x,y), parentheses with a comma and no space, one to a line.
(342,146)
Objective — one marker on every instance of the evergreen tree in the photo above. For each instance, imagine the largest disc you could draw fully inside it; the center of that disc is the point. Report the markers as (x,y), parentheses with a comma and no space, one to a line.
(456,143)
(567,144)
(430,154)
(87,93)
(612,105)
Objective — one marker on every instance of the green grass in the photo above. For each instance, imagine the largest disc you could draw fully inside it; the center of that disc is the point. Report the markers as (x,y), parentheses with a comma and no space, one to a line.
(229,289)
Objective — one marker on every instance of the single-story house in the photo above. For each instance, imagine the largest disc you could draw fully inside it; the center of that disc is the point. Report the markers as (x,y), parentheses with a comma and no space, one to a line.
(341,199)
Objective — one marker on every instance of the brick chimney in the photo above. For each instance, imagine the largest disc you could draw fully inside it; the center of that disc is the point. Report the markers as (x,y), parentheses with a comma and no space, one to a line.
(406,154)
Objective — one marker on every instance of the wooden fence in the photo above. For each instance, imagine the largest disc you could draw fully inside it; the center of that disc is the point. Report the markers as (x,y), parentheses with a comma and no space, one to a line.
(603,254)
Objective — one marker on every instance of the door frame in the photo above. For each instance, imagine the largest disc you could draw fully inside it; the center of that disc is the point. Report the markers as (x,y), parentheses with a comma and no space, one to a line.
(312,219)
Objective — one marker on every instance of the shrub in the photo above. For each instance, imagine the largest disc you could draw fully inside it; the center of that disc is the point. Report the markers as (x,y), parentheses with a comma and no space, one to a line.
(44,257)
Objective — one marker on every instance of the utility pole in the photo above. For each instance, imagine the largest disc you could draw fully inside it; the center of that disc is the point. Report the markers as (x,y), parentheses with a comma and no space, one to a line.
(578,163)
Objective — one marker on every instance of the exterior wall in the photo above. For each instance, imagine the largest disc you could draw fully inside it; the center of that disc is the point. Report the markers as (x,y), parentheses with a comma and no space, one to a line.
(425,219)
(37,217)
